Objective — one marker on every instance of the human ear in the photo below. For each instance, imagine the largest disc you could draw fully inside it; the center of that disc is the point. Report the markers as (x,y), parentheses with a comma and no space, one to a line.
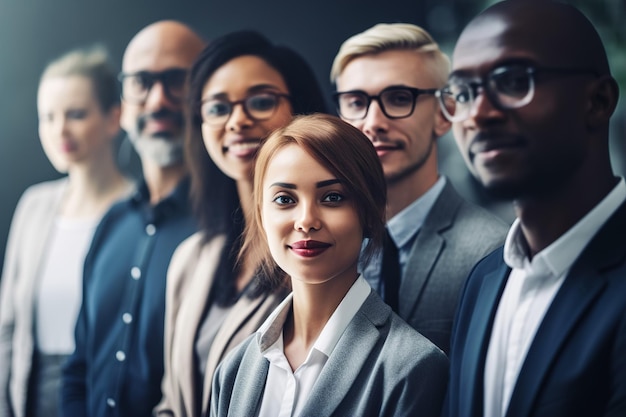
(442,124)
(603,94)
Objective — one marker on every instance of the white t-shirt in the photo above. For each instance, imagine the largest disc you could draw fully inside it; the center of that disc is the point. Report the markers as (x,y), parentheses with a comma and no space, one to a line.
(59,292)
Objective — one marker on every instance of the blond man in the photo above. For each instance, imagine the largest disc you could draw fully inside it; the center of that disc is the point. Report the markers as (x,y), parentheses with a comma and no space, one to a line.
(387,79)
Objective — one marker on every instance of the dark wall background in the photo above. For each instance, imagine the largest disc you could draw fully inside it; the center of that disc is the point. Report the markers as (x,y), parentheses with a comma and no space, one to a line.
(34,32)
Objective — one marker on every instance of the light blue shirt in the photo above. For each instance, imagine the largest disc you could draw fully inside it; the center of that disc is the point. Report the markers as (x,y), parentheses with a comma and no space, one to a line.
(403,228)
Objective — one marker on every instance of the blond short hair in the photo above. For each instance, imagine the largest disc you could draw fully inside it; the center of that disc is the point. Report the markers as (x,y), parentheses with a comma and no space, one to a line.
(391,36)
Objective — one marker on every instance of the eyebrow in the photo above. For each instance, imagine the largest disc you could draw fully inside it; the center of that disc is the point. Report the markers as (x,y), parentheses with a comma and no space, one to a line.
(320,184)
(468,73)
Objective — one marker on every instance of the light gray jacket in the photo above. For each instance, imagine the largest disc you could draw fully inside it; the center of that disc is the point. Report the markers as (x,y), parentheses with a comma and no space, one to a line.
(28,236)
(454,237)
(379,367)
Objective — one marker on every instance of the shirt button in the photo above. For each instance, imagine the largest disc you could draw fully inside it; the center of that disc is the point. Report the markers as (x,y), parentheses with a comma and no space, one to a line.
(120,356)
(135,272)
(127,318)
(111,402)
(150,230)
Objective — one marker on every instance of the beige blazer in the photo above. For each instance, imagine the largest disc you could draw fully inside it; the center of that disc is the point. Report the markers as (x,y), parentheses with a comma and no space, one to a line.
(189,280)
(28,236)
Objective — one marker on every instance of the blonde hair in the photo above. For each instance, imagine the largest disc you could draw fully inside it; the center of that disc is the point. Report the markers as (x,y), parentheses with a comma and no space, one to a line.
(392,36)
(92,62)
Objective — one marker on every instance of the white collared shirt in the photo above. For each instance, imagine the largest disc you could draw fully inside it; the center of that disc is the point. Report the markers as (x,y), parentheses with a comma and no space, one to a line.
(286,392)
(529,291)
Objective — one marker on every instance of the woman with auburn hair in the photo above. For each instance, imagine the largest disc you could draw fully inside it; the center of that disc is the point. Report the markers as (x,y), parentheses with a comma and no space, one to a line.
(242,87)
(332,347)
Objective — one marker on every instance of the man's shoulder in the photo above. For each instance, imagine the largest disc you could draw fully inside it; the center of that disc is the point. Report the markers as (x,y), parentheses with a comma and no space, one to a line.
(118,211)
(454,213)
(402,345)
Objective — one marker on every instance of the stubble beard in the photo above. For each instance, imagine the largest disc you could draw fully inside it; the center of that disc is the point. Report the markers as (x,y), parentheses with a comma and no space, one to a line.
(397,177)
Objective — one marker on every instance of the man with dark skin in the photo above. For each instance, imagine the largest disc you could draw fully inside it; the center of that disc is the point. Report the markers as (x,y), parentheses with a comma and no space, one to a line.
(541,327)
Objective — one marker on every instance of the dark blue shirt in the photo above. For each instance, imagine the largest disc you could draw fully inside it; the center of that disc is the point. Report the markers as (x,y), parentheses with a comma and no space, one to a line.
(117,366)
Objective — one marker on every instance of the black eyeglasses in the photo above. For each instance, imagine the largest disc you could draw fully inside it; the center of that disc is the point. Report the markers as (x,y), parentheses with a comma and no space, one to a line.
(136,86)
(394,102)
(507,87)
(258,107)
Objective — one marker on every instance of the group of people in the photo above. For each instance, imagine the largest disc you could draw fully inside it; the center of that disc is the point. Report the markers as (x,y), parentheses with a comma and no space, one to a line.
(277,260)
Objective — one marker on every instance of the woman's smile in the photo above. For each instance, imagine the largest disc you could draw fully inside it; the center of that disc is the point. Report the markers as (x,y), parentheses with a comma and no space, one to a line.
(309,248)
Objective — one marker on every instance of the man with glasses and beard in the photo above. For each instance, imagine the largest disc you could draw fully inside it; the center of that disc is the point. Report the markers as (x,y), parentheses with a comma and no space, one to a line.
(386,79)
(117,366)
(541,326)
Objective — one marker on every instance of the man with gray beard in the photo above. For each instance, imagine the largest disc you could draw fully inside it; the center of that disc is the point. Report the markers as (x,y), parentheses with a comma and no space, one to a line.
(117,366)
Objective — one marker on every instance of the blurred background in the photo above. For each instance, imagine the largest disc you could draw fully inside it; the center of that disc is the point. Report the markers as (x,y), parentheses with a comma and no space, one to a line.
(36,31)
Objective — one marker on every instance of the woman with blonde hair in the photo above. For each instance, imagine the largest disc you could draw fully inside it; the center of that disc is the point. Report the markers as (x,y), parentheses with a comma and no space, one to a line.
(52,228)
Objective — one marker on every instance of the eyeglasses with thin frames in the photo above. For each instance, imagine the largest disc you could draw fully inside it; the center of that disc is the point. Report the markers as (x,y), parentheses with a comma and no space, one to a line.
(137,85)
(507,87)
(258,107)
(396,102)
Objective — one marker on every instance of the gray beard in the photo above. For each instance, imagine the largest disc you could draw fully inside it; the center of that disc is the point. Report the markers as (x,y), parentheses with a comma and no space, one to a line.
(164,152)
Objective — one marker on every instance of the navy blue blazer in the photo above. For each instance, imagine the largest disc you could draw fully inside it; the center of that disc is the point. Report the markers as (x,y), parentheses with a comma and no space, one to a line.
(576,364)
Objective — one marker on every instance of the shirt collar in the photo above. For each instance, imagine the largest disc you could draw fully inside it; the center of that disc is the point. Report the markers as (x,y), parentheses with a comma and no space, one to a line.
(176,202)
(404,225)
(559,256)
(179,196)
(270,332)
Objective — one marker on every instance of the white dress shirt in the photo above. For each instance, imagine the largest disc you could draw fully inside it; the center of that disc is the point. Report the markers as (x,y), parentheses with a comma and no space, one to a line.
(529,291)
(286,392)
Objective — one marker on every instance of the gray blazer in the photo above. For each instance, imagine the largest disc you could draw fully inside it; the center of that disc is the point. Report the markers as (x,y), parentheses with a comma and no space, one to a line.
(454,237)
(28,237)
(380,367)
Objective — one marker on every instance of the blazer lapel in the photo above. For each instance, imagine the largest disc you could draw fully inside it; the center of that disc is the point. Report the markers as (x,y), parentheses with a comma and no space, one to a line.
(190,315)
(424,254)
(473,361)
(354,348)
(583,285)
(426,250)
(250,382)
(241,311)
(578,291)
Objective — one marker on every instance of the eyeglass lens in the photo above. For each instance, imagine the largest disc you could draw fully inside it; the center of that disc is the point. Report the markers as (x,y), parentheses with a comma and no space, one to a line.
(394,103)
(508,87)
(258,107)
(136,86)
